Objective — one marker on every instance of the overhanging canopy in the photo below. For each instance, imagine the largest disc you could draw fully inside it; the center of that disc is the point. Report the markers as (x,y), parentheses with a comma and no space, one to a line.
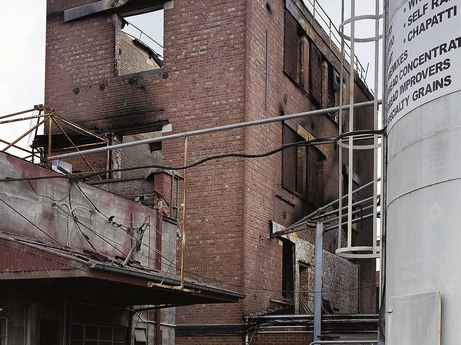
(32,266)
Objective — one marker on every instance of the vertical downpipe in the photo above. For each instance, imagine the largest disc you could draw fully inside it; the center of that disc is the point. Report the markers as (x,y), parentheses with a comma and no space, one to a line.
(158,265)
(318,281)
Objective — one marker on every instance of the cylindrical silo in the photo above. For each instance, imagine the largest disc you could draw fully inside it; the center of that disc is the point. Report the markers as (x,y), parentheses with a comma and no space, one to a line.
(423,111)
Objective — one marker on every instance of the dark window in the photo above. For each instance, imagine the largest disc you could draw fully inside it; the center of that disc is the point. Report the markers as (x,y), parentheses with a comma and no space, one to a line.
(305,288)
(291,49)
(82,334)
(288,269)
(302,59)
(316,75)
(301,167)
(334,83)
(314,176)
(289,159)
(333,86)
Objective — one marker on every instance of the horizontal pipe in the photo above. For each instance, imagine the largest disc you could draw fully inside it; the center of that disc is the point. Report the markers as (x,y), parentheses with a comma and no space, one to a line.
(344,342)
(214,129)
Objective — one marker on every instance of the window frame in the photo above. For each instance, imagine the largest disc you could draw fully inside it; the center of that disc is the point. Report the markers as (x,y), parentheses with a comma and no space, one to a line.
(301,180)
(137,44)
(75,339)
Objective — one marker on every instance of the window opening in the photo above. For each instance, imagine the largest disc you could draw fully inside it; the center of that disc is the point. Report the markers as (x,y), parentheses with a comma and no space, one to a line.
(315,69)
(305,287)
(141,43)
(291,47)
(334,83)
(302,59)
(287,269)
(289,160)
(133,156)
(301,167)
(82,334)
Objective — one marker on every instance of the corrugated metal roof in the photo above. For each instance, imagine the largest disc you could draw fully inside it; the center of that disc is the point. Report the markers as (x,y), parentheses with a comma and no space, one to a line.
(91,276)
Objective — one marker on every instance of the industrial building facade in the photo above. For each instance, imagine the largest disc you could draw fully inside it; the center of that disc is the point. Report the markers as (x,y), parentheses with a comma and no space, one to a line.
(224,62)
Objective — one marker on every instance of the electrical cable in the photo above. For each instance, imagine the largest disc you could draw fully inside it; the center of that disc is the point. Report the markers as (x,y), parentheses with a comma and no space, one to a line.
(125,229)
(324,140)
(31,223)
(48,197)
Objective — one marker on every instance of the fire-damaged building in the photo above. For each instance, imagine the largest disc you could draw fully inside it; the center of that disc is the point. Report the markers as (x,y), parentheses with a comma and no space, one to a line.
(80,265)
(191,147)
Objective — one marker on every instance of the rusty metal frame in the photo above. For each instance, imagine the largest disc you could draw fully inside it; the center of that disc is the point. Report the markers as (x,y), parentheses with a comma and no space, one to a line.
(46,116)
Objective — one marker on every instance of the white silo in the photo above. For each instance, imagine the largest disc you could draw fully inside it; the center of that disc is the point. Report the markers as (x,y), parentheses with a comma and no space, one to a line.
(423,233)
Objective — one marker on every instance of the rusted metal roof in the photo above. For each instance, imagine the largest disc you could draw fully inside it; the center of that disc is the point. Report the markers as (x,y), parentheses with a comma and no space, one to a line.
(31,265)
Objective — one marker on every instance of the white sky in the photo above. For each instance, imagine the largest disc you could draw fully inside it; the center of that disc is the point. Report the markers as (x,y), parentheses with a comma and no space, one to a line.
(22,60)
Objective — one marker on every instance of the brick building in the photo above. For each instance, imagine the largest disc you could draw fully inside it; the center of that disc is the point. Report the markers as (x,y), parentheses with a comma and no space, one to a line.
(224,63)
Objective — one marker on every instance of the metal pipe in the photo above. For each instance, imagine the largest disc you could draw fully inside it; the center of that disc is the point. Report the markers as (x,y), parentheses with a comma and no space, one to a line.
(74,146)
(50,135)
(267,70)
(171,194)
(214,129)
(13,144)
(21,119)
(318,281)
(313,214)
(344,342)
(19,113)
(296,317)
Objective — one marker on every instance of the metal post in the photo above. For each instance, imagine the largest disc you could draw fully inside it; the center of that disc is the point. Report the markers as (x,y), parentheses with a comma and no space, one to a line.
(318,281)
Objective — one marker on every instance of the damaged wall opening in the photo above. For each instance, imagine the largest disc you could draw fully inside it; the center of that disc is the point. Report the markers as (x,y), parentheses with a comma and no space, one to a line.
(131,157)
(141,43)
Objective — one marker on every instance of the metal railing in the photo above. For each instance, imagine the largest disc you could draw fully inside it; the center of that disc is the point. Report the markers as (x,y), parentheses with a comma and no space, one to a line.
(46,122)
(140,34)
(321,17)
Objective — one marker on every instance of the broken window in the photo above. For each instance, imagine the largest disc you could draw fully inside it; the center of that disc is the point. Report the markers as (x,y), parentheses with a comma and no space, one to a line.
(334,83)
(296,52)
(301,166)
(316,75)
(141,43)
(303,60)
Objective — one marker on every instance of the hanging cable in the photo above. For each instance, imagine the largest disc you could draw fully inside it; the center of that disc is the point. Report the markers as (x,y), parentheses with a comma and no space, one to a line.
(323,140)
(34,225)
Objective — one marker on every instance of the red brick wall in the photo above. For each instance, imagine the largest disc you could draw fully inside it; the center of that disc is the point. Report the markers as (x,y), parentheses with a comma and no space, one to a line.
(282,336)
(82,82)
(215,58)
(210,340)
(204,51)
